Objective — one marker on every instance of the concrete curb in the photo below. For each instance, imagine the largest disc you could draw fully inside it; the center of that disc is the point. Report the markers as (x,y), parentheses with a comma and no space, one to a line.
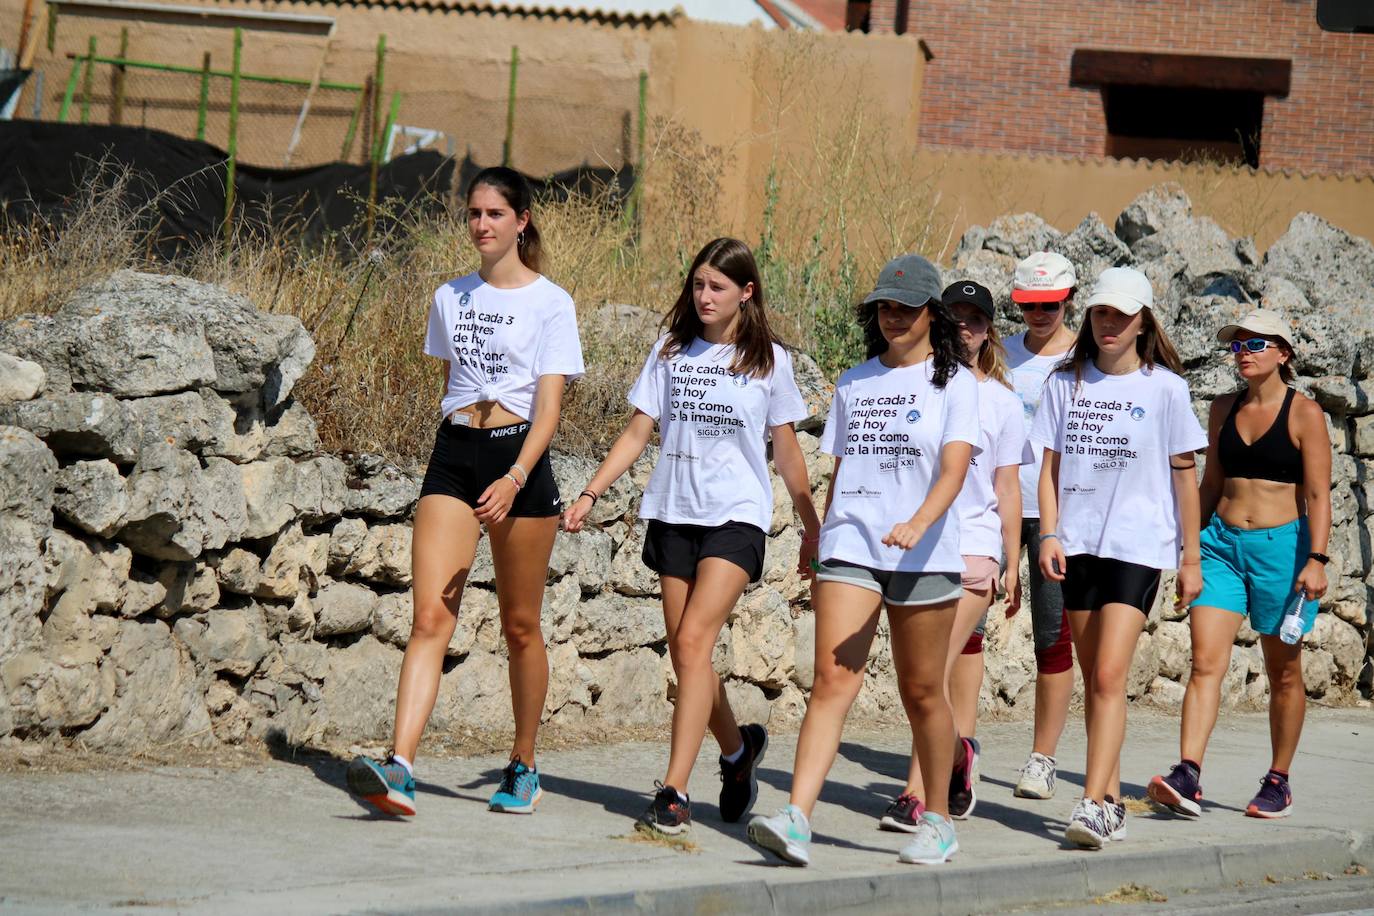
(978,889)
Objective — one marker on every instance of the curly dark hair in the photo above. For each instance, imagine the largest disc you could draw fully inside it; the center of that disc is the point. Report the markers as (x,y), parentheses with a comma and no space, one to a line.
(944,339)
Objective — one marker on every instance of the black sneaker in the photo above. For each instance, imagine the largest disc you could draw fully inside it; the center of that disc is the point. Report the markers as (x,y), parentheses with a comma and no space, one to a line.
(903,815)
(962,798)
(667,814)
(739,784)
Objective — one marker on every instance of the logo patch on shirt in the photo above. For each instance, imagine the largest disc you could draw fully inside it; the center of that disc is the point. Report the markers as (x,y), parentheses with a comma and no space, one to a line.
(862,492)
(465,298)
(739,381)
(912,416)
(1138,413)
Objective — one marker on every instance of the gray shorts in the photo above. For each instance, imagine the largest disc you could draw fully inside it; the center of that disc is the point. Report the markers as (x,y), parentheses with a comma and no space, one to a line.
(906,589)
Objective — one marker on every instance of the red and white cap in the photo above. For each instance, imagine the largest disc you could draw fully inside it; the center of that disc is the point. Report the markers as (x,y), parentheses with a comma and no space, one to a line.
(1043,277)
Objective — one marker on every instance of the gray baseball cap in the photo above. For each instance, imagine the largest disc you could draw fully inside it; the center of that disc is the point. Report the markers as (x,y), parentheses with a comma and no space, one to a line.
(908,280)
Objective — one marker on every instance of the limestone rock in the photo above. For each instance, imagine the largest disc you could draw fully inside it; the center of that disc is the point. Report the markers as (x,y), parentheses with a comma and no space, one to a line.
(357,695)
(1318,671)
(1152,211)
(177,510)
(296,562)
(239,571)
(1019,235)
(816,391)
(84,425)
(475,695)
(762,640)
(224,640)
(630,688)
(62,688)
(1203,247)
(1092,247)
(391,618)
(293,434)
(613,622)
(1344,642)
(1173,644)
(278,490)
(628,574)
(1144,667)
(747,701)
(343,607)
(157,698)
(380,490)
(572,474)
(20,380)
(41,339)
(91,495)
(190,588)
(237,426)
(180,420)
(1327,341)
(345,540)
(558,616)
(1332,268)
(187,329)
(585,554)
(570,680)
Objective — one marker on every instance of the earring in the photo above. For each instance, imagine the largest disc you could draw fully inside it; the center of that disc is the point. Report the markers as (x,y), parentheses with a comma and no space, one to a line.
(520,239)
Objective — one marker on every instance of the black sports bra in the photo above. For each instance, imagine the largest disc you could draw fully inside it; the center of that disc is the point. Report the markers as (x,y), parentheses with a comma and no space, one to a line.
(1272,456)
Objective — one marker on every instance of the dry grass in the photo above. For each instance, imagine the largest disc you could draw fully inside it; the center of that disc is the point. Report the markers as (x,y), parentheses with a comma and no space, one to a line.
(1132,893)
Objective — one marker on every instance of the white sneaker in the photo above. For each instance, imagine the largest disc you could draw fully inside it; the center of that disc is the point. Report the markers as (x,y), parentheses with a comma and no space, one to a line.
(1091,825)
(1037,778)
(1116,814)
(933,843)
(786,835)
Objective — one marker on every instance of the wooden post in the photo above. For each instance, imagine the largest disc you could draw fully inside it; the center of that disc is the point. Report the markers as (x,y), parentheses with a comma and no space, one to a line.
(506,147)
(118,78)
(305,105)
(375,149)
(25,26)
(203,109)
(232,171)
(52,26)
(86,79)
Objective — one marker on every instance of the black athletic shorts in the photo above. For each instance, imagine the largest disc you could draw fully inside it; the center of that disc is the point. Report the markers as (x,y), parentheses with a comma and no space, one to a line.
(466,461)
(1091,582)
(675,550)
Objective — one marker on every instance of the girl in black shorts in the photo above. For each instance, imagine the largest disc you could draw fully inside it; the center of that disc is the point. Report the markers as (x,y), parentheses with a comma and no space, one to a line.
(719,385)
(1118,501)
(508,337)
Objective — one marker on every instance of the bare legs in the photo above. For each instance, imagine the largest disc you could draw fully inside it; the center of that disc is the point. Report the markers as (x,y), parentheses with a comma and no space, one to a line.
(1105,641)
(846,620)
(694,612)
(444,544)
(1214,633)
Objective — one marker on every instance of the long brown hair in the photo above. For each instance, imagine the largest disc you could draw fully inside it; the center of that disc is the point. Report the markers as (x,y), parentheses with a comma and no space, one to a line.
(991,358)
(1152,345)
(511,185)
(754,339)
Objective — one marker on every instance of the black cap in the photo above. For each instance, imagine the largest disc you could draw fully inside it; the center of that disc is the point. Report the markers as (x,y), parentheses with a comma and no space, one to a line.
(972,293)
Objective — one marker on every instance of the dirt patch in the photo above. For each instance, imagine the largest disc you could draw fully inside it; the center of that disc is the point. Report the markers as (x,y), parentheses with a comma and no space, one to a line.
(1132,893)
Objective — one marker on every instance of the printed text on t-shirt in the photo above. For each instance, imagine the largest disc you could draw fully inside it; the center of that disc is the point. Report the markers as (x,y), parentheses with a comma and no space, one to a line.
(691,400)
(867,432)
(470,335)
(1084,432)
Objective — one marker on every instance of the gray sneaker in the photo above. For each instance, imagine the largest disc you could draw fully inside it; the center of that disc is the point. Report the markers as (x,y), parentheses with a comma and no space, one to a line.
(933,843)
(786,835)
(1037,778)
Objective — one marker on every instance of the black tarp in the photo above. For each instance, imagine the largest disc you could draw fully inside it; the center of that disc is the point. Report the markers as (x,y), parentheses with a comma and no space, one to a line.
(176,186)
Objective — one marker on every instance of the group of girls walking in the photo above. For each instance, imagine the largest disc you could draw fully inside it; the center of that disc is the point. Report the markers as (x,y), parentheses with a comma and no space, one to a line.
(950,451)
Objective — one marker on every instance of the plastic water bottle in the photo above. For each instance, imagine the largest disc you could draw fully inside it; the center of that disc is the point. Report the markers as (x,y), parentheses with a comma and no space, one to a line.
(1290,631)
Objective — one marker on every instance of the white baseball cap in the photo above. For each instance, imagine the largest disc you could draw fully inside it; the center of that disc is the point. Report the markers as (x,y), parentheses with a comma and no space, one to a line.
(1266,322)
(1124,289)
(1043,277)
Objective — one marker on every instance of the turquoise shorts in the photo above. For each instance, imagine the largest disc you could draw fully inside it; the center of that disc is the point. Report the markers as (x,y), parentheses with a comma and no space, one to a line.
(1252,571)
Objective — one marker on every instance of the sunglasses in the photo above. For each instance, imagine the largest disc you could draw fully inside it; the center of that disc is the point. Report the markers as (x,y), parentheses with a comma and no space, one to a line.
(1253,345)
(1050,307)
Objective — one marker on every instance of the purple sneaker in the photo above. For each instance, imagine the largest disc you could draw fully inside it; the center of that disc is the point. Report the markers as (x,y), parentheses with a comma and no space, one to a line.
(1274,799)
(1180,791)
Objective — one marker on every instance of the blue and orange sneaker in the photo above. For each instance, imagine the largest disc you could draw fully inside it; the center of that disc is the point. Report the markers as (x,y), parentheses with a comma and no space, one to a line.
(1180,791)
(386,785)
(1274,799)
(519,791)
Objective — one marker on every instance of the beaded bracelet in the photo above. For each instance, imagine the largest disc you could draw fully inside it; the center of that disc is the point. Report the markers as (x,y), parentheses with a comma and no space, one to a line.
(511,477)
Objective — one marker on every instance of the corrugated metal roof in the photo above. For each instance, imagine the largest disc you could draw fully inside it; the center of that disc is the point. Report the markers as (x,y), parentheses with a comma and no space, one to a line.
(767,13)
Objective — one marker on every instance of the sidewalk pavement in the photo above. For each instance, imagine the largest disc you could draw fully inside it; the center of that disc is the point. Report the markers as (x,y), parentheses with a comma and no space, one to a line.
(285,837)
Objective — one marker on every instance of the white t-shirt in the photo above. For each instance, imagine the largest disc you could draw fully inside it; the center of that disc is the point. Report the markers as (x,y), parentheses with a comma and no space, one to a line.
(1002,440)
(713,425)
(888,427)
(1028,373)
(1114,435)
(500,341)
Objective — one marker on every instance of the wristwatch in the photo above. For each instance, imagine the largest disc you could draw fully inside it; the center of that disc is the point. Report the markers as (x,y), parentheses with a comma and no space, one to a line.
(1321,558)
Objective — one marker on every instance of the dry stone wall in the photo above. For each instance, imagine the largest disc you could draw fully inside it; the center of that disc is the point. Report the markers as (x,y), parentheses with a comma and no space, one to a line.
(179,562)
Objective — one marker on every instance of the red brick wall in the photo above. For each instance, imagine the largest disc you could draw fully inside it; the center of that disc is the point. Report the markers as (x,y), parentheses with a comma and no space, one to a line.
(1000,76)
